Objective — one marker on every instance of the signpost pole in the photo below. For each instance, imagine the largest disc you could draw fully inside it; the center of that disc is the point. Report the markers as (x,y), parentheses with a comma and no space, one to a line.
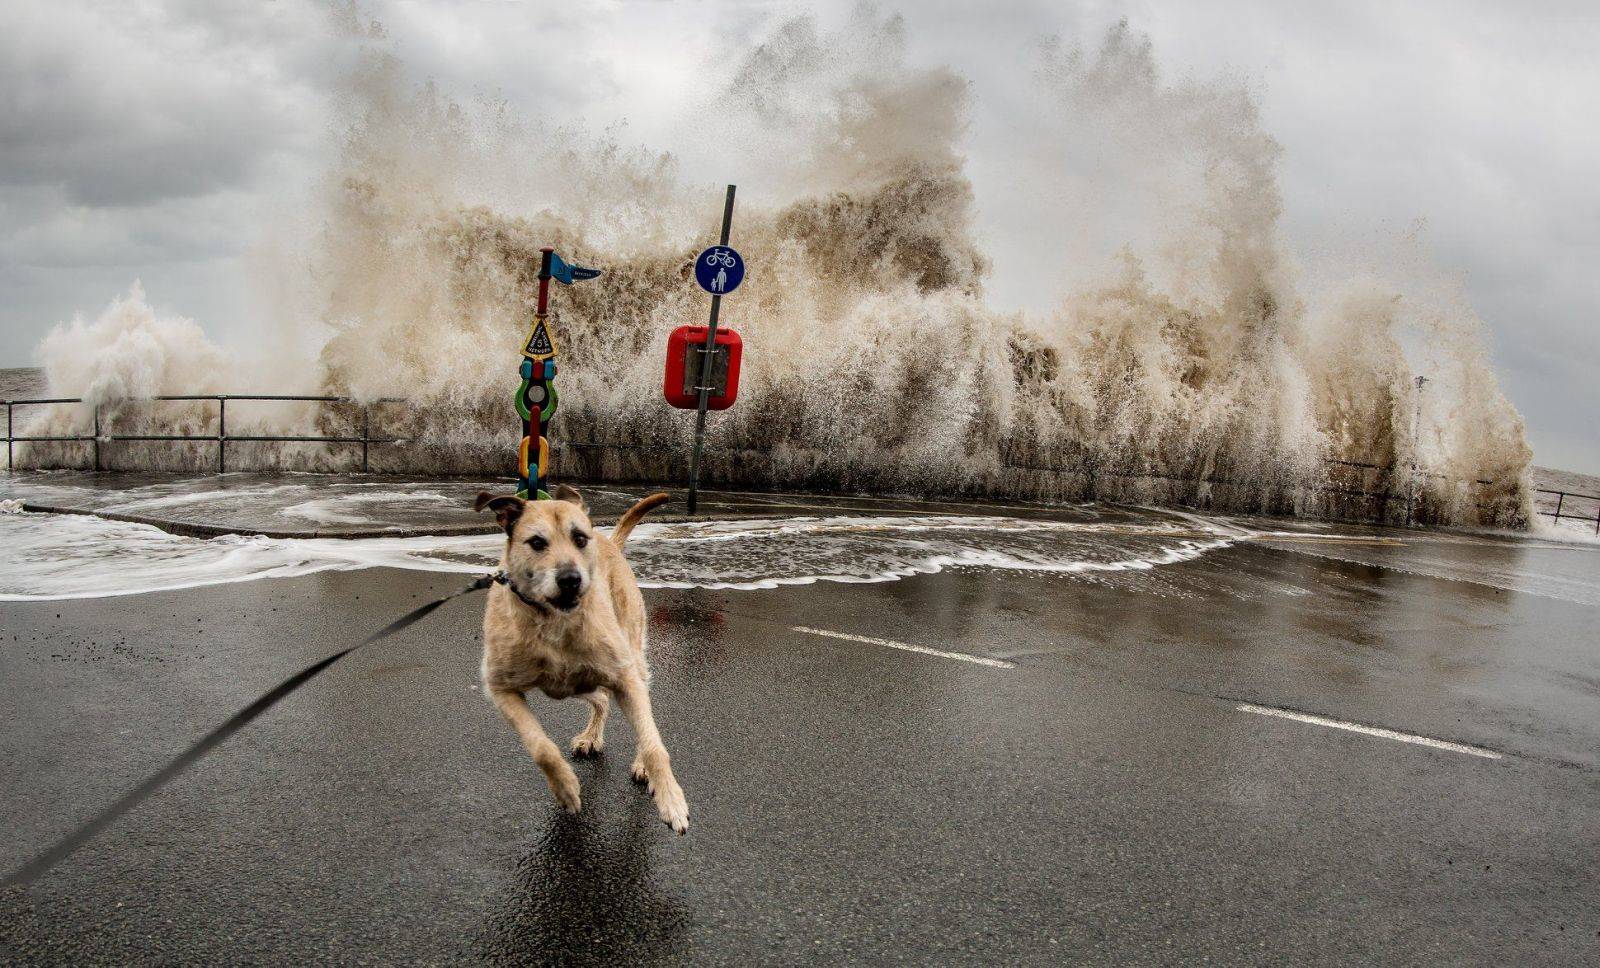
(707,355)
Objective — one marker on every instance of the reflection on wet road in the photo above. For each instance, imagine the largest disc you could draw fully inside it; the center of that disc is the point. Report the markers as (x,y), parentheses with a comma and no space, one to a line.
(590,882)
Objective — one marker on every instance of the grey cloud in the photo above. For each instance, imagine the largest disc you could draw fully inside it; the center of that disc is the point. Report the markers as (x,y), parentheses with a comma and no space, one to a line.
(114,107)
(58,234)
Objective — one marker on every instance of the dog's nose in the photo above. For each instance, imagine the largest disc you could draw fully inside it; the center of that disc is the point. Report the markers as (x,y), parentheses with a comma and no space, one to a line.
(569,581)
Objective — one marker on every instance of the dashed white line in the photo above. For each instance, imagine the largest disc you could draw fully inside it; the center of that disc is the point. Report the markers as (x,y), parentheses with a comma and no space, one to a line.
(1379,731)
(905,647)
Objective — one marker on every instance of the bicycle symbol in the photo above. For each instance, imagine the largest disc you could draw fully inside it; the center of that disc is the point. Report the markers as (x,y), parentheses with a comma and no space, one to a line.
(721,257)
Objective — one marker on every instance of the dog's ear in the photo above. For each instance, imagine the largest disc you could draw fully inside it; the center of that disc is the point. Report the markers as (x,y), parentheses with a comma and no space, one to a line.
(569,494)
(507,509)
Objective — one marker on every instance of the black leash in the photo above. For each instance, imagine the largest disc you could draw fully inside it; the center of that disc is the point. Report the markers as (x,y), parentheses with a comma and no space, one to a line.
(189,757)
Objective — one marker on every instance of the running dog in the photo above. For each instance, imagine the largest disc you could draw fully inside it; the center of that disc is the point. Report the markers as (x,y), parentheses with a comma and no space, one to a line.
(565,617)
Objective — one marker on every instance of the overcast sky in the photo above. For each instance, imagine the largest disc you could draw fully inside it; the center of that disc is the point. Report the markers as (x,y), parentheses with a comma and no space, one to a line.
(158,140)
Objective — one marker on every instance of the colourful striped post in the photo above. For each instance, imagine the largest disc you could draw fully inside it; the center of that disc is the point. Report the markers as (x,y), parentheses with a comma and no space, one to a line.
(536,397)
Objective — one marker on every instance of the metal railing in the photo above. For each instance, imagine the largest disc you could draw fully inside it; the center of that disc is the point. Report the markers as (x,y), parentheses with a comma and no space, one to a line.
(1406,495)
(1561,499)
(221,438)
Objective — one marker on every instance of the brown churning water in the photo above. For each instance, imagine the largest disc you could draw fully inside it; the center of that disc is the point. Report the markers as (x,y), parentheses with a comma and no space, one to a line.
(1195,370)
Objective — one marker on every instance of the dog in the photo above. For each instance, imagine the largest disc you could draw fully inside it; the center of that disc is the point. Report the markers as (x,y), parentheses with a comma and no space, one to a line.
(566,617)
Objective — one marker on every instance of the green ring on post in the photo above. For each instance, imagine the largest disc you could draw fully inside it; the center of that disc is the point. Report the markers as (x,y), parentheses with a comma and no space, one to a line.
(550,396)
(522,402)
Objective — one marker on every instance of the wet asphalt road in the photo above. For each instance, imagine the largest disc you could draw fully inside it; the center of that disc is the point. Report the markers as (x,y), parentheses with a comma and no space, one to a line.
(1104,800)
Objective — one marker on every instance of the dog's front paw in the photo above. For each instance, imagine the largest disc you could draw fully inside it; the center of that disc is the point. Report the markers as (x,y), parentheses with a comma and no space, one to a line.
(671,803)
(564,784)
(585,746)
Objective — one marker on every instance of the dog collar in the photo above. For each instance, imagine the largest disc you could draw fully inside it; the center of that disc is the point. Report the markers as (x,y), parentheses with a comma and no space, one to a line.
(501,578)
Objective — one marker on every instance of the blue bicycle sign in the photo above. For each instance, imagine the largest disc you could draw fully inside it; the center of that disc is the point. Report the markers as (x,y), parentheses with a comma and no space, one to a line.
(719,270)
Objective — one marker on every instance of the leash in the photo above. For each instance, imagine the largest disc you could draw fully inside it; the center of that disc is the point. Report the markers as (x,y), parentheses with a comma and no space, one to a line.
(211,740)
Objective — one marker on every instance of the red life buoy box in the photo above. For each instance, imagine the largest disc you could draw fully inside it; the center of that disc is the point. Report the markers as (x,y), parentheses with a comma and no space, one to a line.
(684,349)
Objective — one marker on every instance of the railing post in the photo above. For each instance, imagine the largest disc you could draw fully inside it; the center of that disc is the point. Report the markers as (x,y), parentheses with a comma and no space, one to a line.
(9,436)
(222,433)
(97,436)
(366,434)
(1560,496)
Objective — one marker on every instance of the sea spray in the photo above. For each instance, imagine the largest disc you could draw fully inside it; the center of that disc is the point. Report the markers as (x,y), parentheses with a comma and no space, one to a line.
(1192,370)
(130,354)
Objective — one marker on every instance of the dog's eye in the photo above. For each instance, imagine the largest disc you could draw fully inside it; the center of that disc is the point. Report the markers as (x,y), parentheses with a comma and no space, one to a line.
(537,543)
(579,538)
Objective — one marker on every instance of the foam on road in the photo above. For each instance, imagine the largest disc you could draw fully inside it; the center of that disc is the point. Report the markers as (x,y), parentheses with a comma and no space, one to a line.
(78,556)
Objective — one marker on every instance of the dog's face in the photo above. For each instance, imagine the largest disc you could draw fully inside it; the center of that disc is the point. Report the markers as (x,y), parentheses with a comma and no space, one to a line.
(550,552)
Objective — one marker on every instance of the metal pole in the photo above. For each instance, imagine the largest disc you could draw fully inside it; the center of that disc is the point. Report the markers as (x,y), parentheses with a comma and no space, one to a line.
(9,436)
(707,355)
(97,436)
(546,257)
(1560,496)
(1416,427)
(366,434)
(222,435)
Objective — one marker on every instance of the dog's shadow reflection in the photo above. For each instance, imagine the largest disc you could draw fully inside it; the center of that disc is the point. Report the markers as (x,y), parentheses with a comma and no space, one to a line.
(586,891)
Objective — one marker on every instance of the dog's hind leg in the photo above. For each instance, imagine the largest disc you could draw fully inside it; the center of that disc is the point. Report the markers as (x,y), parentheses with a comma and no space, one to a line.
(593,738)
(563,782)
(651,764)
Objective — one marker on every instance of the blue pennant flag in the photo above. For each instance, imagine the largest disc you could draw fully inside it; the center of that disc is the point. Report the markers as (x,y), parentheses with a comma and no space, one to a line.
(566,273)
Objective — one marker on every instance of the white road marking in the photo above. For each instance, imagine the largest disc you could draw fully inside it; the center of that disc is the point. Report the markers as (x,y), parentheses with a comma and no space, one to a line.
(1437,744)
(905,647)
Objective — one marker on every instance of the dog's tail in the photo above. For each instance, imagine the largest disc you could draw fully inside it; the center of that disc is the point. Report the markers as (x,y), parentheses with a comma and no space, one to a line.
(635,514)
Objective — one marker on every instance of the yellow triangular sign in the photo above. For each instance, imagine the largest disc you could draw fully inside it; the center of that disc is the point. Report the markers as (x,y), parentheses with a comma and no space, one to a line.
(539,346)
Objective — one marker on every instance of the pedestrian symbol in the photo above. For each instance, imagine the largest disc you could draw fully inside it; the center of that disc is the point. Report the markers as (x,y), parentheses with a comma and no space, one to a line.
(719,270)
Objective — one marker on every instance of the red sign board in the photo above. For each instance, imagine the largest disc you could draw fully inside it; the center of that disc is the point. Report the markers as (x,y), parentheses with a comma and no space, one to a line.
(682,383)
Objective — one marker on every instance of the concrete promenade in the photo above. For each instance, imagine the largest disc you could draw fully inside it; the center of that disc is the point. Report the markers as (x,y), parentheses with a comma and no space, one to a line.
(1393,763)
